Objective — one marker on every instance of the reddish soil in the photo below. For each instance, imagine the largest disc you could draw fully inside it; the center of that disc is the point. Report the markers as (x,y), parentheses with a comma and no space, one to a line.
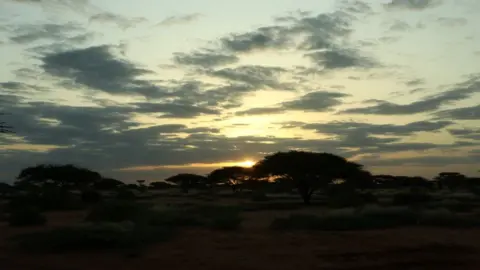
(255,247)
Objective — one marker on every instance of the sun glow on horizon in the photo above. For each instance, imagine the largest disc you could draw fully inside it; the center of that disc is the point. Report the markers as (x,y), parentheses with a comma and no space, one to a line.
(247,163)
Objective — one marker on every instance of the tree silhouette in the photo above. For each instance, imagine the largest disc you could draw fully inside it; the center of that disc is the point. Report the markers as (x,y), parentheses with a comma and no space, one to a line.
(108,184)
(452,180)
(232,176)
(67,176)
(159,185)
(187,181)
(309,171)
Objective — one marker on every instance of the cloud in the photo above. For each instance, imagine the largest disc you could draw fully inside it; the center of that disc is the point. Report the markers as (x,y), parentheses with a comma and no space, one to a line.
(272,37)
(58,5)
(458,92)
(68,32)
(121,21)
(99,69)
(340,58)
(99,137)
(466,133)
(400,26)
(207,59)
(254,75)
(301,31)
(412,4)
(175,20)
(333,128)
(452,22)
(320,101)
(424,161)
(466,113)
(415,82)
(174,110)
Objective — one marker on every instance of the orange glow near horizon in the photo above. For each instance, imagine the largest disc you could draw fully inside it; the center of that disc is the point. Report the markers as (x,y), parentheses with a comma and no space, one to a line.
(245,163)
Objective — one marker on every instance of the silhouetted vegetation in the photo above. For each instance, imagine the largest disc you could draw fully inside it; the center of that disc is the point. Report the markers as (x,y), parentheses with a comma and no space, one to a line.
(340,194)
(26,216)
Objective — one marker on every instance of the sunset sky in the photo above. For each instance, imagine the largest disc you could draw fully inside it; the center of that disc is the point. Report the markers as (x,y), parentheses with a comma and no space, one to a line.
(145,89)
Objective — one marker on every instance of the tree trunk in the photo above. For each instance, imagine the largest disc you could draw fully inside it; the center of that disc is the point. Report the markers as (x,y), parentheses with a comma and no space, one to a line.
(306,195)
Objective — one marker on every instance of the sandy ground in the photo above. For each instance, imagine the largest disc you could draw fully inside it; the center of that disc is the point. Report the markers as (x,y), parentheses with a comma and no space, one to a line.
(255,247)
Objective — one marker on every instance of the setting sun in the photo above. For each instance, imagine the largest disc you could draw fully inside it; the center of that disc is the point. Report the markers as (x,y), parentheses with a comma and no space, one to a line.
(246,163)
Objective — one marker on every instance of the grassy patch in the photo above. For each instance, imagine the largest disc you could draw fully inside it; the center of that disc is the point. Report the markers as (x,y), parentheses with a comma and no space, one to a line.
(374,217)
(89,236)
(251,207)
(28,216)
(118,211)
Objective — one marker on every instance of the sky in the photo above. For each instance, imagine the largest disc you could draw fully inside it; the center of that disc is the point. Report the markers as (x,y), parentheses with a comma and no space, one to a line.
(146,89)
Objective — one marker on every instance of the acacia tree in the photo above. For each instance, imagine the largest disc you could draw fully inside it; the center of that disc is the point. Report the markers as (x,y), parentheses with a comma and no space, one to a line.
(108,184)
(233,176)
(452,180)
(309,171)
(65,176)
(187,181)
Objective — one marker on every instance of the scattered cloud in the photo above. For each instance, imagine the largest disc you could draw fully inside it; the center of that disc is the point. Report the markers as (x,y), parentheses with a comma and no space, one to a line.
(206,59)
(412,4)
(320,101)
(466,113)
(99,69)
(458,92)
(121,21)
(29,33)
(452,22)
(181,19)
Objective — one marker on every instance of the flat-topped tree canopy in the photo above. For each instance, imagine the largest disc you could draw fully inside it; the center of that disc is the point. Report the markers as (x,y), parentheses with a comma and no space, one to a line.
(310,170)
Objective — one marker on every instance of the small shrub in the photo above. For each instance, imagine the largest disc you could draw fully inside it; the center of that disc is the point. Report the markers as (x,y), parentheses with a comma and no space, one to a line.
(346,198)
(251,207)
(118,211)
(27,216)
(174,218)
(445,218)
(91,196)
(125,235)
(226,221)
(259,196)
(125,194)
(48,199)
(296,222)
(411,198)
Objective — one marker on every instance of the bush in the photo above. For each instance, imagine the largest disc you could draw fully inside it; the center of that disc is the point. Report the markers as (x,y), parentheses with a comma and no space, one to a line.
(48,199)
(27,216)
(445,218)
(175,218)
(375,217)
(118,211)
(125,194)
(455,205)
(217,217)
(411,198)
(349,198)
(91,196)
(125,235)
(259,196)
(226,221)
(296,222)
(272,206)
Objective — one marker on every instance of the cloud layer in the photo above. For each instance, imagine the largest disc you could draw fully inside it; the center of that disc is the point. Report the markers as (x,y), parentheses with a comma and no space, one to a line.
(324,80)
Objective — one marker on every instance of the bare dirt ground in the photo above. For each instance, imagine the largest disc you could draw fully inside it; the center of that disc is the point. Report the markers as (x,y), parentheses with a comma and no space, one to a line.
(256,247)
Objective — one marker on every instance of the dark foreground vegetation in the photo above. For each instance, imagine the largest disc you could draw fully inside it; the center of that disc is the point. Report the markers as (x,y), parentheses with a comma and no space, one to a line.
(286,191)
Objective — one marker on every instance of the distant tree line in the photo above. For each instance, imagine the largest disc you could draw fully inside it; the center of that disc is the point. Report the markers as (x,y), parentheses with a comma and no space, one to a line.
(304,173)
